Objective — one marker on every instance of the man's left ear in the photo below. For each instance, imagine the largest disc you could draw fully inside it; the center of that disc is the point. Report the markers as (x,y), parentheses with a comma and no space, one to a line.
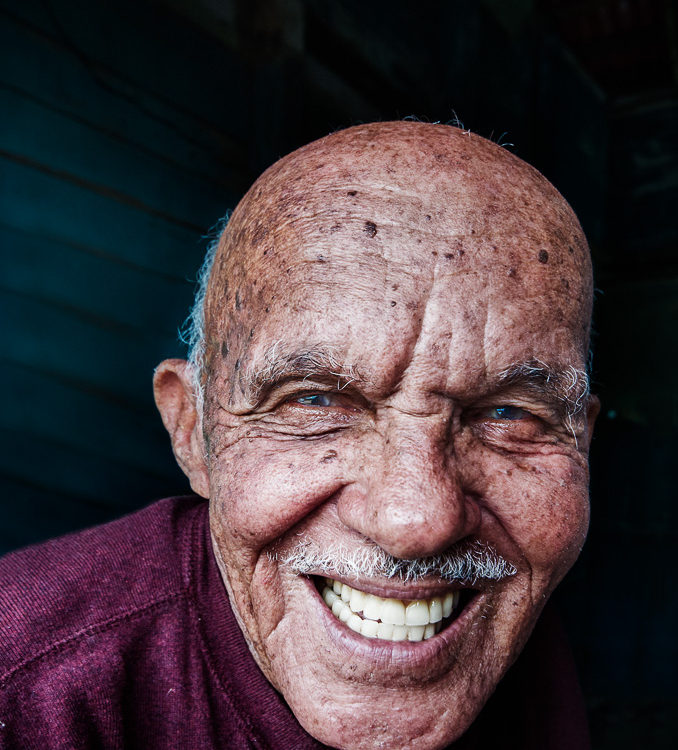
(592,411)
(176,401)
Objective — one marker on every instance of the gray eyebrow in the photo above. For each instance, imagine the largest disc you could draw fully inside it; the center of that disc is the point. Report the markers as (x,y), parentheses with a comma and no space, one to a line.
(301,363)
(570,385)
(567,386)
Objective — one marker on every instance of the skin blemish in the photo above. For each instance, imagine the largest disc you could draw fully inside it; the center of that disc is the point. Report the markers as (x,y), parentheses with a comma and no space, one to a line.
(237,299)
(393,303)
(236,366)
(449,256)
(543,256)
(335,228)
(224,349)
(259,234)
(428,217)
(329,456)
(352,193)
(370,228)
(570,248)
(434,253)
(320,259)
(511,273)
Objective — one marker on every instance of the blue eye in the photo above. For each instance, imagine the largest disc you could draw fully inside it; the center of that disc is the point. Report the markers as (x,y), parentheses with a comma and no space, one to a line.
(507,412)
(315,399)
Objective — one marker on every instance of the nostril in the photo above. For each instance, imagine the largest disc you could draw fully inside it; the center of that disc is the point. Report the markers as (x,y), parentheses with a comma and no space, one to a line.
(404,522)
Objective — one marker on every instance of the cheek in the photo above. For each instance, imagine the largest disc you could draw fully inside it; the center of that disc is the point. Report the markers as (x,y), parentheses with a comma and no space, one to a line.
(260,491)
(544,508)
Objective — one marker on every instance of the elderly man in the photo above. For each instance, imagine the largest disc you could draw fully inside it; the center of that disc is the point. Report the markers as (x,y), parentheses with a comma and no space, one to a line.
(387,407)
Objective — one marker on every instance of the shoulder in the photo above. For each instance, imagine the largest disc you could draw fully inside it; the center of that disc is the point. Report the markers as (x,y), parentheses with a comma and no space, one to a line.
(67,589)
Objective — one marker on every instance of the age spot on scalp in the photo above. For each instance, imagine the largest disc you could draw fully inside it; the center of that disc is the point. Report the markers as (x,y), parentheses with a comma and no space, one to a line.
(370,228)
(543,256)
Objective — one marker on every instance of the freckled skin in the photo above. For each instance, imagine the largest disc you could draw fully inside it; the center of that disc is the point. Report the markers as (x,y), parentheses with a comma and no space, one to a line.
(431,260)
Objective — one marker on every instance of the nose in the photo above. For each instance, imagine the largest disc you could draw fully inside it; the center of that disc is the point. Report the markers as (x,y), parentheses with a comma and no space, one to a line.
(411,500)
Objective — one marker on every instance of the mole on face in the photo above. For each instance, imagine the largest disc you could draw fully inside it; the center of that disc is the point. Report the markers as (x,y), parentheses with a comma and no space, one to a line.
(370,228)
(543,256)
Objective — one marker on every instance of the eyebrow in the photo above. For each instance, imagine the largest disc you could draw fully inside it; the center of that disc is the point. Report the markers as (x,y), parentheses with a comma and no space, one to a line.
(569,386)
(314,361)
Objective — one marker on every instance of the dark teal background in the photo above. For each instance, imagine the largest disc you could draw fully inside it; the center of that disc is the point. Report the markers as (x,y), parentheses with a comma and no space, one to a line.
(128,128)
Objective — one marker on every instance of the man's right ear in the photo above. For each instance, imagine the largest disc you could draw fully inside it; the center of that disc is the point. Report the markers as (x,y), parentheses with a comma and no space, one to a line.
(176,401)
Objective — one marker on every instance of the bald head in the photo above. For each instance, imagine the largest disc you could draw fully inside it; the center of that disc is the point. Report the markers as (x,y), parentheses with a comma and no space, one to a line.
(379,185)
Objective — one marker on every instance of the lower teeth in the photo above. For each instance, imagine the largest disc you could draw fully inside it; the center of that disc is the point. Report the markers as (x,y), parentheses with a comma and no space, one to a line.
(374,628)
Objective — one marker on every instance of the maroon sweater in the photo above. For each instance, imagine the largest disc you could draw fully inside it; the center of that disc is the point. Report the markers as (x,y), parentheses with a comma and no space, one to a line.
(122,636)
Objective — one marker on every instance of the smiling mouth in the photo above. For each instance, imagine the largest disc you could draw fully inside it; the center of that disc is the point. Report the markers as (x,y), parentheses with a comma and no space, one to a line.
(390,619)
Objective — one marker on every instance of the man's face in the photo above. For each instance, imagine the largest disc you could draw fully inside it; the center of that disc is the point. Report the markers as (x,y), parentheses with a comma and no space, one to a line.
(390,369)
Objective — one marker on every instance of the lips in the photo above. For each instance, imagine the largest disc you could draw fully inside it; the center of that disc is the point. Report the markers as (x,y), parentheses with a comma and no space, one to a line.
(385,618)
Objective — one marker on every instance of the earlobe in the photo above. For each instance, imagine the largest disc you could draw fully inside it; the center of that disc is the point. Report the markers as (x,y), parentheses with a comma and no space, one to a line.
(176,402)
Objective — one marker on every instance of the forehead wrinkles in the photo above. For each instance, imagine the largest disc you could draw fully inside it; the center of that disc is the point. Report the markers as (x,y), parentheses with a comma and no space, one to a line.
(395,177)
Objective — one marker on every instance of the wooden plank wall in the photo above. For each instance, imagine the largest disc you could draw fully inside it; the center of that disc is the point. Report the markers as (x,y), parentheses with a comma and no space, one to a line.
(118,151)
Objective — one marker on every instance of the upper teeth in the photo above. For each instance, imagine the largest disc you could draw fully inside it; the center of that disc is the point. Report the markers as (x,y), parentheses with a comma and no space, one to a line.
(389,619)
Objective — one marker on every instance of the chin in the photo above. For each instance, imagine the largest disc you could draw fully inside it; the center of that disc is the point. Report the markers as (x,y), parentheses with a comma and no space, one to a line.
(350,691)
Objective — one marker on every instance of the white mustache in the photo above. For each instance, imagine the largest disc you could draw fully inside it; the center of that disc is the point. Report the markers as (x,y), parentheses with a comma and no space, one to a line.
(466,563)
